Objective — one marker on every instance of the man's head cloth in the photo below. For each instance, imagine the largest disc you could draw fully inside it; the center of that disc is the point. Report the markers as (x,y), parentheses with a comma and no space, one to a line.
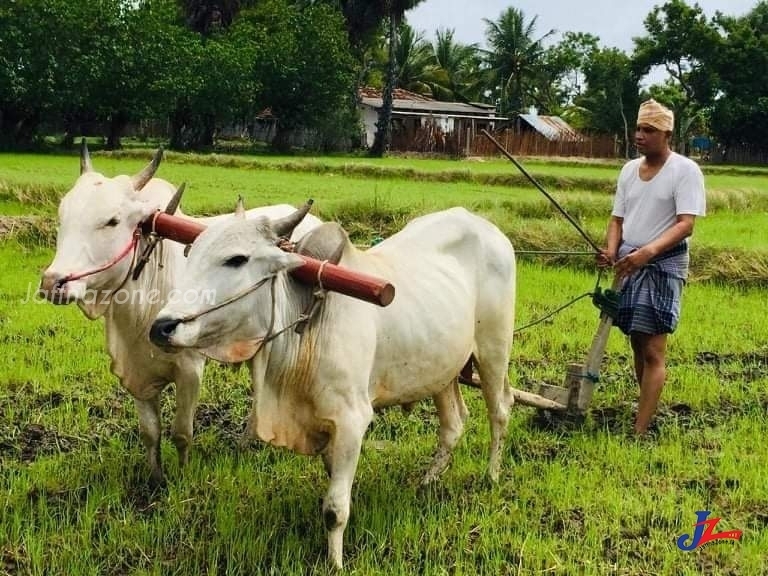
(657,115)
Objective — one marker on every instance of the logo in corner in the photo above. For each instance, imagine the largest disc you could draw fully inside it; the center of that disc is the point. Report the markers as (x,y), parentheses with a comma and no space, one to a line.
(704,533)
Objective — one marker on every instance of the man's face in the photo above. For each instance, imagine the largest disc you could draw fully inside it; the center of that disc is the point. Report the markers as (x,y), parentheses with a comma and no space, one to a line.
(650,140)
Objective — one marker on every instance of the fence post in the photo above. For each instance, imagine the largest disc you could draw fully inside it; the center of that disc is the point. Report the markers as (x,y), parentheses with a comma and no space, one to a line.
(467,143)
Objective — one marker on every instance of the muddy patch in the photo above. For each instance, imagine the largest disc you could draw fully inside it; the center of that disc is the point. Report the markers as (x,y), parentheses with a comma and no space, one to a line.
(13,560)
(561,522)
(754,357)
(144,498)
(618,419)
(746,367)
(30,441)
(222,419)
(543,448)
(24,438)
(66,497)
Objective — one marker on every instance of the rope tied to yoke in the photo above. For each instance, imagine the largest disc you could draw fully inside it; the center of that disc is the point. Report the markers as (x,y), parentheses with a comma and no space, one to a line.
(301,321)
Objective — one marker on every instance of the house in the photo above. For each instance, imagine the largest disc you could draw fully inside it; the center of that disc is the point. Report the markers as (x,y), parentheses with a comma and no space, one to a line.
(411,111)
(551,127)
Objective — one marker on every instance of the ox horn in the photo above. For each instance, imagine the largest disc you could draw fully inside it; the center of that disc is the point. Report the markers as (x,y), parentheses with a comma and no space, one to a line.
(85,158)
(284,226)
(240,208)
(175,200)
(140,180)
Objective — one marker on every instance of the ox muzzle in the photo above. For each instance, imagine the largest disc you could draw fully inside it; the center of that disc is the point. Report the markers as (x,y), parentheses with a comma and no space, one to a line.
(162,330)
(54,288)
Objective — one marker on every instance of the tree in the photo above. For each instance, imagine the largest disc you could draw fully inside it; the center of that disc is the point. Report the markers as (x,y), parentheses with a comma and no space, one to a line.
(513,58)
(568,59)
(121,68)
(681,39)
(305,70)
(415,61)
(458,75)
(395,10)
(31,76)
(611,98)
(739,114)
(209,16)
(559,77)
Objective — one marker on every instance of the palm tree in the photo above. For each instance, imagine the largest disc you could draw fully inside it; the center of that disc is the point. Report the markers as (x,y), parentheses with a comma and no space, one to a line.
(395,10)
(513,56)
(459,69)
(415,61)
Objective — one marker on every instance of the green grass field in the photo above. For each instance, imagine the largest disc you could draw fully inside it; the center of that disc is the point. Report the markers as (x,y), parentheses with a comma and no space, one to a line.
(572,499)
(728,245)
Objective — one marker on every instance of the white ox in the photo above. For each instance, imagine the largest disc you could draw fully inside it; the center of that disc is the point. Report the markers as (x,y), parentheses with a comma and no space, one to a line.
(315,393)
(98,218)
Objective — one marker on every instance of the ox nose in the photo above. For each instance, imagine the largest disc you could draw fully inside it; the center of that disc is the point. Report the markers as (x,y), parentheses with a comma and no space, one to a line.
(162,330)
(52,288)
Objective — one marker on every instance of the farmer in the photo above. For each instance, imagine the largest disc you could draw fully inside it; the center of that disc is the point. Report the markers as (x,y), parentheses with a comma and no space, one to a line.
(657,200)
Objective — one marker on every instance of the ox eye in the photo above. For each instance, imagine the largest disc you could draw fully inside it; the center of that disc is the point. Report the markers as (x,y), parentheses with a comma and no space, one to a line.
(236,261)
(112,222)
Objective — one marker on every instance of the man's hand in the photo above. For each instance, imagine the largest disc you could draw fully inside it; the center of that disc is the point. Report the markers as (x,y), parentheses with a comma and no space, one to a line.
(604,259)
(632,262)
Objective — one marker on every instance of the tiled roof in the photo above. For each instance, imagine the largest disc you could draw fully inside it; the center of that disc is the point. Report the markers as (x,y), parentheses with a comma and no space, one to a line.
(397,94)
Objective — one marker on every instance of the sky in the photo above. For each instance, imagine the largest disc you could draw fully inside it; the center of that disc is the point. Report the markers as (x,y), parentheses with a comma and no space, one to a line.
(615,22)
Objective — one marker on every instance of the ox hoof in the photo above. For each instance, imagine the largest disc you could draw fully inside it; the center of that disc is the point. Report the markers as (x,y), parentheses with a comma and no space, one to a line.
(156,483)
(439,465)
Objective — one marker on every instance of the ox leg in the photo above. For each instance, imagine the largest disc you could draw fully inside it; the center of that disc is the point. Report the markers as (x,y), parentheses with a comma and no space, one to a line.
(451,412)
(149,430)
(187,394)
(341,459)
(498,400)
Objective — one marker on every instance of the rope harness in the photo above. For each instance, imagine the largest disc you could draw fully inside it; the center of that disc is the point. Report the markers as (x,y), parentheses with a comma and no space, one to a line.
(153,239)
(130,247)
(299,324)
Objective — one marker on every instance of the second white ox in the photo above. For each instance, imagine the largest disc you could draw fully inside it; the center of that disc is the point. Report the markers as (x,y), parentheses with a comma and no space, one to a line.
(315,392)
(97,247)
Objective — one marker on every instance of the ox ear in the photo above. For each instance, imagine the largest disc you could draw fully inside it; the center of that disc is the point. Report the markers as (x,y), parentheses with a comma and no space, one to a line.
(141,210)
(85,158)
(279,261)
(240,208)
(140,180)
(284,226)
(147,209)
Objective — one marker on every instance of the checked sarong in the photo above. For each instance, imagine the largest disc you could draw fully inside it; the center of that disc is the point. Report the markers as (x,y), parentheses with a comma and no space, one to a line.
(649,299)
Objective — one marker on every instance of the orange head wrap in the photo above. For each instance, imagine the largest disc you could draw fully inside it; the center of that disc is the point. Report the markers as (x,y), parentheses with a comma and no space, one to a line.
(656,115)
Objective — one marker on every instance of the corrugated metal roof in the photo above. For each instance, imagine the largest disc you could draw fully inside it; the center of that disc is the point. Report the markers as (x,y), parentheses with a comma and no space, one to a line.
(552,127)
(433,106)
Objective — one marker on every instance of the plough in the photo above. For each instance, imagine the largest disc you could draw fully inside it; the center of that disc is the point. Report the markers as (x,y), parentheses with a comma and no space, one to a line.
(574,396)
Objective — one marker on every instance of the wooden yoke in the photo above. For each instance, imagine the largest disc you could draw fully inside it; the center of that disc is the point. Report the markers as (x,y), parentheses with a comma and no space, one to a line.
(330,276)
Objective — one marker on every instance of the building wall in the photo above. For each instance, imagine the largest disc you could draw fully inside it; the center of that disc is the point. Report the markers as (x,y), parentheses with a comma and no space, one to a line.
(370,117)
